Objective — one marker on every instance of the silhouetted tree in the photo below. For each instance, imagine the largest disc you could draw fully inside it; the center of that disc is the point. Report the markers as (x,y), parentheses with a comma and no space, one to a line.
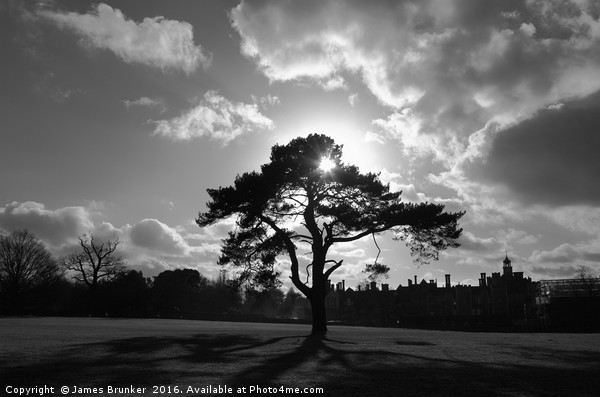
(222,295)
(288,306)
(127,295)
(25,264)
(376,271)
(178,289)
(590,280)
(265,301)
(96,263)
(333,205)
(69,298)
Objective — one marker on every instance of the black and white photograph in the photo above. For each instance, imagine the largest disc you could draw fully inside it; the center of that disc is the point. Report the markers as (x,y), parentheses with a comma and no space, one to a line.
(300,197)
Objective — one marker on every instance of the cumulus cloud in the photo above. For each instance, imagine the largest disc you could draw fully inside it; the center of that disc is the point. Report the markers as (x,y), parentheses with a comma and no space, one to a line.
(564,260)
(568,254)
(157,42)
(152,246)
(544,167)
(580,218)
(318,41)
(106,231)
(469,242)
(214,232)
(148,245)
(444,68)
(405,126)
(409,191)
(553,272)
(215,117)
(155,235)
(57,227)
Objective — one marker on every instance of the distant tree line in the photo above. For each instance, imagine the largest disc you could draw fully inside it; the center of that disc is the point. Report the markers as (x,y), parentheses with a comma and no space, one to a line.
(94,280)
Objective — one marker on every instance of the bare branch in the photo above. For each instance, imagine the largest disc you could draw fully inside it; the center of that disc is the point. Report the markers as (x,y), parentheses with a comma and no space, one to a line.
(96,263)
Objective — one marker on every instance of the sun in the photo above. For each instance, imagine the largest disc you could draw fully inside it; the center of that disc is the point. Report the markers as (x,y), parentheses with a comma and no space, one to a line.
(367,155)
(326,164)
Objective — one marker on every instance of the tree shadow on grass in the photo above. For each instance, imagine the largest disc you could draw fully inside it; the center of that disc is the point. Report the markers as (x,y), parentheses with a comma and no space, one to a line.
(141,360)
(317,352)
(381,372)
(341,368)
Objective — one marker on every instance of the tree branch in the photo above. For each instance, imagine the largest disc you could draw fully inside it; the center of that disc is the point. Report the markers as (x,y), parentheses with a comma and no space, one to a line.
(358,236)
(333,268)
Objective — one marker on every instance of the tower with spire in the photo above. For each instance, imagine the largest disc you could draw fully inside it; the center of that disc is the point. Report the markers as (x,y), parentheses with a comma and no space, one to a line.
(507,267)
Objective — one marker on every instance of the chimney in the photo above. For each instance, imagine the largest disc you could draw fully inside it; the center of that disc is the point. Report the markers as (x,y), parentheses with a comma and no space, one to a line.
(343,285)
(409,282)
(373,286)
(385,287)
(447,281)
(482,282)
(415,280)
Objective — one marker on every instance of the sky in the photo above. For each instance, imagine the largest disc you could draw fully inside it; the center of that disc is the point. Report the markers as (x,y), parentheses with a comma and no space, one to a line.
(118,115)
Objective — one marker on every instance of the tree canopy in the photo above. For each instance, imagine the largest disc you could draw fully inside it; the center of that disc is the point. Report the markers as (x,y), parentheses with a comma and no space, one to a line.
(293,199)
(25,263)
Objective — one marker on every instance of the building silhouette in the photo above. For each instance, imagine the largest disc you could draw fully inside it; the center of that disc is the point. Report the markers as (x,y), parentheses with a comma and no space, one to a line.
(569,304)
(503,300)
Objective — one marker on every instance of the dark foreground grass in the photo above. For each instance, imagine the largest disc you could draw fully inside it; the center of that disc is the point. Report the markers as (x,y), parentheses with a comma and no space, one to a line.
(351,361)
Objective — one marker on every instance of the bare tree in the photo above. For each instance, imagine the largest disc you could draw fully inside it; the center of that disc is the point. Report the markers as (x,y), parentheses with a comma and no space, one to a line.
(96,263)
(25,263)
(590,280)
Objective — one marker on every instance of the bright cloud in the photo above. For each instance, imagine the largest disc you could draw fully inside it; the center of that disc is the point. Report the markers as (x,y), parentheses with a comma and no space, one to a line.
(470,242)
(158,42)
(445,68)
(578,218)
(409,191)
(568,254)
(215,117)
(57,227)
(489,107)
(155,235)
(149,245)
(154,246)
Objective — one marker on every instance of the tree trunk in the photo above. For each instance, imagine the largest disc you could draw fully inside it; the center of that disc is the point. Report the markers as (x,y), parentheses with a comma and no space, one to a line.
(319,315)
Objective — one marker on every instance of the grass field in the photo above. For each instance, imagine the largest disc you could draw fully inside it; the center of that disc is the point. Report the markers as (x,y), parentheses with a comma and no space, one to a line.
(351,361)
